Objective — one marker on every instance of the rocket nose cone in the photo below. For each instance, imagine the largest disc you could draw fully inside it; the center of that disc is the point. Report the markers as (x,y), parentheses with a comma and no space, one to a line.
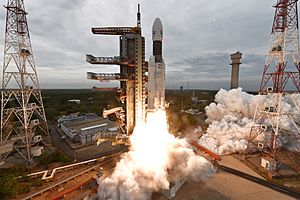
(157,30)
(157,22)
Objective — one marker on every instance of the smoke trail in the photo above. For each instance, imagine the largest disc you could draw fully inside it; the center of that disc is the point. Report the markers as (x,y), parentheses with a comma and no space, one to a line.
(155,159)
(230,120)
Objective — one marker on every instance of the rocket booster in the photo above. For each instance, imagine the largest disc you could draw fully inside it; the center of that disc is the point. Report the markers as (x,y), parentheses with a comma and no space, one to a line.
(156,66)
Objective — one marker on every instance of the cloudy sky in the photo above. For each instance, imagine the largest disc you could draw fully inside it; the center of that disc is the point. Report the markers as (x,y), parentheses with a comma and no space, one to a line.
(199,36)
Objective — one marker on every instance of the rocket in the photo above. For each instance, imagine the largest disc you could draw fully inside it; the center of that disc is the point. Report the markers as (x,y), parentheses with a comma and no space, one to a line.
(156,70)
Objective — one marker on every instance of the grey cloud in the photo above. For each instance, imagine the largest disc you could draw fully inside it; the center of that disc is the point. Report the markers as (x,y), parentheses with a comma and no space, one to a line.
(214,70)
(198,38)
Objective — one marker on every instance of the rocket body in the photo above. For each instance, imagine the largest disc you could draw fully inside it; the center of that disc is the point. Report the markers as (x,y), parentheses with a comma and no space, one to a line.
(156,69)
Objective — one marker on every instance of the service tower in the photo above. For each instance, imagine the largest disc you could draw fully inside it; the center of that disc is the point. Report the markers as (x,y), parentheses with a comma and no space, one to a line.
(132,75)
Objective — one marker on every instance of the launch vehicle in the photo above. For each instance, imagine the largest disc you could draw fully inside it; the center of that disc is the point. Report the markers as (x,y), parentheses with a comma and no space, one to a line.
(156,70)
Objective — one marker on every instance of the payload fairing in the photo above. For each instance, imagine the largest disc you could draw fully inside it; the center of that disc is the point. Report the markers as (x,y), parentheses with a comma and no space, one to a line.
(156,66)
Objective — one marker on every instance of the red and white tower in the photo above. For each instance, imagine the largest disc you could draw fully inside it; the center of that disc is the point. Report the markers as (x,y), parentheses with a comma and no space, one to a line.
(280,85)
(283,50)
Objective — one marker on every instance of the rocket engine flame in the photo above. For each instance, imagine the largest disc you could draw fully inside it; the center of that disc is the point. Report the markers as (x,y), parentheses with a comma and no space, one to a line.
(155,159)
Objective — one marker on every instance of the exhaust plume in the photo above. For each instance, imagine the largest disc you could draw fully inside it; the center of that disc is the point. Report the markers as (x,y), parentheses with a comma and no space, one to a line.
(230,119)
(156,158)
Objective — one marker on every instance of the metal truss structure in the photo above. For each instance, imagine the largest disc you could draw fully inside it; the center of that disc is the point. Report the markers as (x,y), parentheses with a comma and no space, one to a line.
(283,47)
(274,119)
(279,87)
(132,75)
(23,119)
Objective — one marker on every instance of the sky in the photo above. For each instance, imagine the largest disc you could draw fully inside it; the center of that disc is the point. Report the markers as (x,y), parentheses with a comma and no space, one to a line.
(199,36)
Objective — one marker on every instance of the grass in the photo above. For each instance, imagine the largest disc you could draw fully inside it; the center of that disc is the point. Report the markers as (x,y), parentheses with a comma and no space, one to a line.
(46,159)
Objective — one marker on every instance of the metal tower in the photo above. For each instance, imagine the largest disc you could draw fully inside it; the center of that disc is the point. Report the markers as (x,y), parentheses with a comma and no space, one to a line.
(279,86)
(283,47)
(132,76)
(23,119)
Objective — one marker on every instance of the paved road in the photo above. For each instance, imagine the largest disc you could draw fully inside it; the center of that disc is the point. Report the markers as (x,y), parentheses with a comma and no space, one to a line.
(59,143)
(262,182)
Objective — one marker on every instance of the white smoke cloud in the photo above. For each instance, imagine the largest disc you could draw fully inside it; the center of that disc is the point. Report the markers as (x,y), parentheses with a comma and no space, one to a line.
(155,159)
(227,135)
(234,103)
(230,119)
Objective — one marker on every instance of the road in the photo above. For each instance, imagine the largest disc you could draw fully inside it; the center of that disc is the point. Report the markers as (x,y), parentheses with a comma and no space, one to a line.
(262,182)
(61,144)
(238,188)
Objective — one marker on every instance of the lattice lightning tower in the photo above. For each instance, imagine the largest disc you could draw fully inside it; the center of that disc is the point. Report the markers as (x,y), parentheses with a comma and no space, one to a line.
(23,119)
(280,86)
(283,47)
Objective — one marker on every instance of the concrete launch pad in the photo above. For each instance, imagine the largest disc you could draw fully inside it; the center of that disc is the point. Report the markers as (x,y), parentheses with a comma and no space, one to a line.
(225,186)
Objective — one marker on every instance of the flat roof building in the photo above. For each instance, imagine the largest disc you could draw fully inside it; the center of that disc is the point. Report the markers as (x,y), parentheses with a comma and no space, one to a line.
(83,130)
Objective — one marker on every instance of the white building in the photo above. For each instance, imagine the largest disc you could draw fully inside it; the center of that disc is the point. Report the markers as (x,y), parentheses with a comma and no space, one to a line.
(86,134)
(76,117)
(83,130)
(71,133)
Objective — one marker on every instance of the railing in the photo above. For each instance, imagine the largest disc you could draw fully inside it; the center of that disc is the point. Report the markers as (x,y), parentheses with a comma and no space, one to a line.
(116,30)
(105,76)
